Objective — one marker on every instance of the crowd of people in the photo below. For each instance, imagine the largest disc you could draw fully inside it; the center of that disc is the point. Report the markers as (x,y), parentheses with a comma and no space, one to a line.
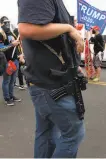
(11,47)
(51,46)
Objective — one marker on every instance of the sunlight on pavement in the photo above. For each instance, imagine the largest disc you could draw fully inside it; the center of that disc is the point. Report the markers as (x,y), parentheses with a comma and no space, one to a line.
(98,83)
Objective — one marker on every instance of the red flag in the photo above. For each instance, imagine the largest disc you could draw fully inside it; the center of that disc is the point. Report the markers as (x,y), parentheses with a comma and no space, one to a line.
(88,61)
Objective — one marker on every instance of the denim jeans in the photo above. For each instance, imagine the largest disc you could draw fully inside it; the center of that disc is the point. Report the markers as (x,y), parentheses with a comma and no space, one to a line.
(59,131)
(8,84)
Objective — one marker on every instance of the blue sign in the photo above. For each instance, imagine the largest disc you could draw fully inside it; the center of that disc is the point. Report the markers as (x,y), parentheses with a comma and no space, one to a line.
(90,16)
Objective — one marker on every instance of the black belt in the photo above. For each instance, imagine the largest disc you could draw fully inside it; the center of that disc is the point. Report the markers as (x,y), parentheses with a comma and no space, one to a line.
(57,93)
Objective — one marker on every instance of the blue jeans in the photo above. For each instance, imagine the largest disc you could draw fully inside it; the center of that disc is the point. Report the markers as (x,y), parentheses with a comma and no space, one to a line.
(59,131)
(8,84)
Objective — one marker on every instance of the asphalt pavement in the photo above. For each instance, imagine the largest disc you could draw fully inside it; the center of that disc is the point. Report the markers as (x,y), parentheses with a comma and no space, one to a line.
(17,124)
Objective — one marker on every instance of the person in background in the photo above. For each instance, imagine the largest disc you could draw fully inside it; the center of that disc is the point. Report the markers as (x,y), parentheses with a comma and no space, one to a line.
(21,85)
(99,47)
(7,44)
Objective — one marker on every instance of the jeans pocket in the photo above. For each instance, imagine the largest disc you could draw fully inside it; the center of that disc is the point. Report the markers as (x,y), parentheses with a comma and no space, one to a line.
(40,102)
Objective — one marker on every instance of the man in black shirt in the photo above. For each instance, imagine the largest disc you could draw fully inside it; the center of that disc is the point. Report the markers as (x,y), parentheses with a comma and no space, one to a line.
(45,39)
(98,52)
(7,43)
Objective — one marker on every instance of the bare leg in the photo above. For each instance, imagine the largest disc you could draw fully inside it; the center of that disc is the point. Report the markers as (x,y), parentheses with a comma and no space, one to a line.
(98,72)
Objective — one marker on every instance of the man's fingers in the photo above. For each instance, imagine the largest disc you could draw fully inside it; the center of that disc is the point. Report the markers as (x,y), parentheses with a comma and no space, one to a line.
(80,48)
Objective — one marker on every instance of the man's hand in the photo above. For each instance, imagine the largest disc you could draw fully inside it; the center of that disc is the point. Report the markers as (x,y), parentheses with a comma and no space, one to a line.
(81,70)
(15,42)
(21,58)
(80,46)
(78,38)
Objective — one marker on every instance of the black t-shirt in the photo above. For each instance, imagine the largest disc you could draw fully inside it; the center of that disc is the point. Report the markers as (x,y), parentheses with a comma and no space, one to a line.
(39,59)
(8,52)
(98,43)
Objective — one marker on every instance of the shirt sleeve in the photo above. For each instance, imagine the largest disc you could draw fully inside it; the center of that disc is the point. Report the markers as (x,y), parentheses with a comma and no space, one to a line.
(4,46)
(92,39)
(39,12)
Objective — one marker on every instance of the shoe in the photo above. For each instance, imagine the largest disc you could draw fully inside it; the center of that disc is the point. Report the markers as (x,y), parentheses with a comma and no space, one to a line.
(9,102)
(92,78)
(21,87)
(15,99)
(16,85)
(96,79)
(25,86)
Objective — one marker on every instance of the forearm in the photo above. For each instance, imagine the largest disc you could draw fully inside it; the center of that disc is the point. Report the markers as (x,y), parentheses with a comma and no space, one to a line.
(75,34)
(4,48)
(46,32)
